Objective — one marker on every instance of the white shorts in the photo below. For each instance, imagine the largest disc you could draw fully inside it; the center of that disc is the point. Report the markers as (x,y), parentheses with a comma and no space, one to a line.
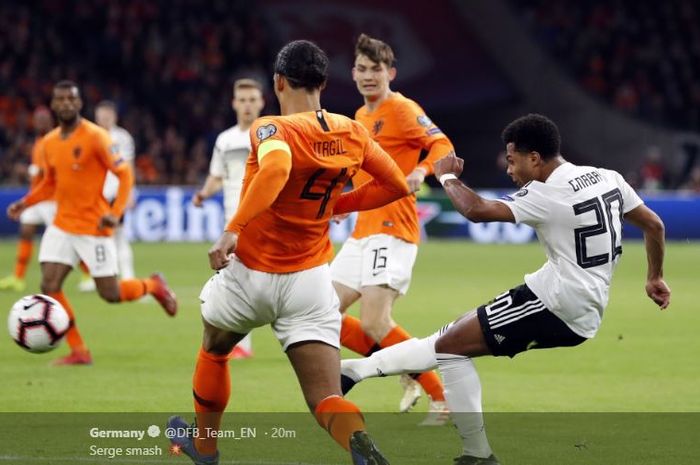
(98,252)
(377,260)
(40,213)
(301,306)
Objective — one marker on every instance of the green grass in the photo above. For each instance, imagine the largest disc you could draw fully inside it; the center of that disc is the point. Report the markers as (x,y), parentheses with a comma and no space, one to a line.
(642,360)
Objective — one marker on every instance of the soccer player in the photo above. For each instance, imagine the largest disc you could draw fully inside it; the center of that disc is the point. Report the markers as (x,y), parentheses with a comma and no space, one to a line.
(228,163)
(38,215)
(279,275)
(78,155)
(578,213)
(374,265)
(106,117)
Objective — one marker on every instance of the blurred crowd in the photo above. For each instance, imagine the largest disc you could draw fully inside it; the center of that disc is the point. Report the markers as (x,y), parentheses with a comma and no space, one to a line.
(643,57)
(168,64)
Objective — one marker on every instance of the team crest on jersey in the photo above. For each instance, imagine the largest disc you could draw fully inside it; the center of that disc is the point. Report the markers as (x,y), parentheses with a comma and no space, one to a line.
(266,131)
(76,152)
(521,193)
(424,121)
(378,125)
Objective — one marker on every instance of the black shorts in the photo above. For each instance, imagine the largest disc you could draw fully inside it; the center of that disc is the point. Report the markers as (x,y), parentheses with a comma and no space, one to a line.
(517,320)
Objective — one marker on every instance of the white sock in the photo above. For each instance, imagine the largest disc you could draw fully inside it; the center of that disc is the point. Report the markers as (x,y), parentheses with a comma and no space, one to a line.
(125,256)
(410,356)
(463,396)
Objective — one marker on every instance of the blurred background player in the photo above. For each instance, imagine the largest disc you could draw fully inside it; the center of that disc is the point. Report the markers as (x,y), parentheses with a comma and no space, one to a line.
(37,215)
(374,266)
(279,275)
(106,116)
(77,156)
(228,160)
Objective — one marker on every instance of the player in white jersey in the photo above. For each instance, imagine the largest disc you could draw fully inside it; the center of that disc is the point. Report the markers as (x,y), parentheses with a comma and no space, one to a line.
(577,212)
(228,163)
(107,117)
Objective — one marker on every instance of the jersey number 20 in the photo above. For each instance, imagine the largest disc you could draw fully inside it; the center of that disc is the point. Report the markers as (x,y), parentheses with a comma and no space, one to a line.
(604,224)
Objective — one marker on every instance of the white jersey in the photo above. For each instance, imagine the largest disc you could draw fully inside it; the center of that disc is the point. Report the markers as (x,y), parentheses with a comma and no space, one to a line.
(228,162)
(125,147)
(577,214)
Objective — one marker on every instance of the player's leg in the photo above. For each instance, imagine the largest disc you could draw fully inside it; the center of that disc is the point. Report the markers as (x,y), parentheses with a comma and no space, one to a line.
(15,281)
(386,275)
(454,349)
(317,366)
(57,257)
(307,325)
(30,219)
(347,278)
(125,254)
(227,316)
(99,254)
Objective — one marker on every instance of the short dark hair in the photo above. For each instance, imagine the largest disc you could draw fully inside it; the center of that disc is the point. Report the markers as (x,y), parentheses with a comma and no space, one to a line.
(304,64)
(66,84)
(533,133)
(375,50)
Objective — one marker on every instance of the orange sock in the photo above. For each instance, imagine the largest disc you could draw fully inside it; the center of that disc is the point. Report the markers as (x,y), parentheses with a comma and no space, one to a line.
(394,336)
(211,388)
(429,381)
(340,418)
(84,268)
(354,338)
(431,384)
(75,341)
(24,253)
(133,289)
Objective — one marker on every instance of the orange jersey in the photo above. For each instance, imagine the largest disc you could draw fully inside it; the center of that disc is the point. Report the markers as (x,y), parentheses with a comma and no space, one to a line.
(76,167)
(401,127)
(295,175)
(38,166)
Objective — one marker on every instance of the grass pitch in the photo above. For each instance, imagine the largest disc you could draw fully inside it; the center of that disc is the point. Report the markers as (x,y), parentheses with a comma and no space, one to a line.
(642,360)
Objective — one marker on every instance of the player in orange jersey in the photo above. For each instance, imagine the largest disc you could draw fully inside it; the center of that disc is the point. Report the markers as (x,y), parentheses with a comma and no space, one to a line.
(298,166)
(374,265)
(78,155)
(38,215)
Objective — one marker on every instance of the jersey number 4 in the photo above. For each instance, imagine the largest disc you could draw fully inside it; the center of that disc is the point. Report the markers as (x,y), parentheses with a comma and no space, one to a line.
(604,224)
(312,191)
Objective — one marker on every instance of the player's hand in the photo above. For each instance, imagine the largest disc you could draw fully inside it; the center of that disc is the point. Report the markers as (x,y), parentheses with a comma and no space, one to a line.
(337,219)
(197,199)
(659,292)
(108,221)
(415,179)
(450,163)
(15,209)
(221,252)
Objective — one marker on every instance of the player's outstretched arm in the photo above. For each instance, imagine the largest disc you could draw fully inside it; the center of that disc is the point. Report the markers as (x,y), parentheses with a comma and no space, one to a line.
(212,185)
(654,240)
(42,191)
(388,184)
(467,202)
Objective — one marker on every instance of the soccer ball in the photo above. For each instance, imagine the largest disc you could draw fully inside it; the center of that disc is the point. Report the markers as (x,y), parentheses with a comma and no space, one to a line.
(38,323)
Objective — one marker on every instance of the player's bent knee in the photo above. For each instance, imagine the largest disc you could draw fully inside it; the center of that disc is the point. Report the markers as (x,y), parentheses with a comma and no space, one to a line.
(376,327)
(49,286)
(111,297)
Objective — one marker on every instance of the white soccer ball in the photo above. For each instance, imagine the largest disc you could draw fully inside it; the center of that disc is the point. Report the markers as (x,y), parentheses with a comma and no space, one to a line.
(38,323)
